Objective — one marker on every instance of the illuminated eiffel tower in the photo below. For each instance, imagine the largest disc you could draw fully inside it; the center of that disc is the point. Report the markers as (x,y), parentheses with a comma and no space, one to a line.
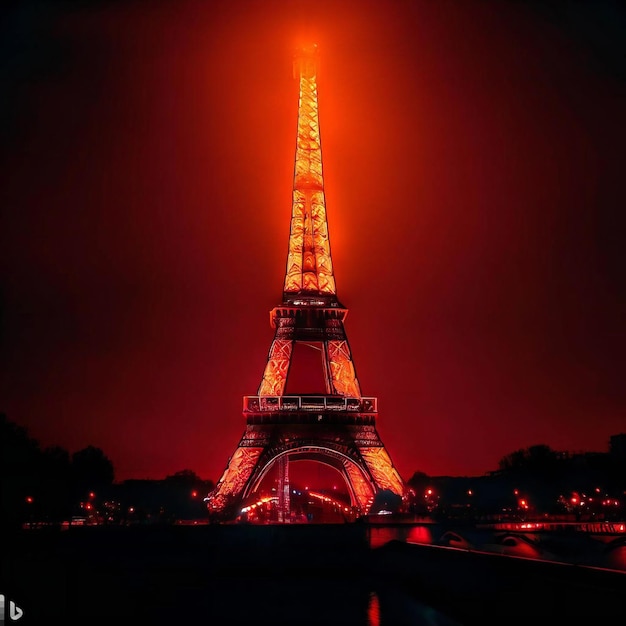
(335,427)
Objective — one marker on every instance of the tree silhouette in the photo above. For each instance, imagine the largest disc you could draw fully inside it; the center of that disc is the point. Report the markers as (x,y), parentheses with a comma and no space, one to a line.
(91,470)
(537,458)
(20,488)
(55,483)
(184,476)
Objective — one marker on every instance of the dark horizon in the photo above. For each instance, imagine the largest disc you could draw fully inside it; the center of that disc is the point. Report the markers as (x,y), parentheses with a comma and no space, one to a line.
(473,159)
(320,477)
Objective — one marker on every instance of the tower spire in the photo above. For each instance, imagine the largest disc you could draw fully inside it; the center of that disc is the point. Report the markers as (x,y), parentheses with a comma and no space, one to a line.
(309,265)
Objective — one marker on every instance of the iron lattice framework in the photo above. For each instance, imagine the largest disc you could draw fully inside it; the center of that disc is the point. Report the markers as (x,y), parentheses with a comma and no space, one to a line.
(336,428)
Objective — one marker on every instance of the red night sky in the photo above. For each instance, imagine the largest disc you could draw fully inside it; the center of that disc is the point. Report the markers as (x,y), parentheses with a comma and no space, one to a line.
(474,165)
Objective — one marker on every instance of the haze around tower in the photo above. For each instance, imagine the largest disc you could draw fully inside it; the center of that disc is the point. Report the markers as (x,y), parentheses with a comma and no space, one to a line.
(473,157)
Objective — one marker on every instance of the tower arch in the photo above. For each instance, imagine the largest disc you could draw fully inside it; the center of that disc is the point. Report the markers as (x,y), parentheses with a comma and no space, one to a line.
(361,486)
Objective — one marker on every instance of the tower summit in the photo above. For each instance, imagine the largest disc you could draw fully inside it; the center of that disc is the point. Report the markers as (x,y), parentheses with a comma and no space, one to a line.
(309,266)
(335,427)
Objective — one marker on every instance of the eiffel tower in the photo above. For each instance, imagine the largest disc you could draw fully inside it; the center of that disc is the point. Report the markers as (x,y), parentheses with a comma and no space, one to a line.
(337,425)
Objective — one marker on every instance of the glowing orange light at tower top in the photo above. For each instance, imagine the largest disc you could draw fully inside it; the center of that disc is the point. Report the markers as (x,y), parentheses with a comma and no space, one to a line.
(309,265)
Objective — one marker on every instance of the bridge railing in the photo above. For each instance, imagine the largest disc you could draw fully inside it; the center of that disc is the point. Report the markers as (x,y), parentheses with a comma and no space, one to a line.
(261,404)
(585,527)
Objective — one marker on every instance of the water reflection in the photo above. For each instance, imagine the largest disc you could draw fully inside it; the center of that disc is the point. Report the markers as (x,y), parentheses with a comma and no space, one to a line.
(373,610)
(420,534)
(380,535)
(616,557)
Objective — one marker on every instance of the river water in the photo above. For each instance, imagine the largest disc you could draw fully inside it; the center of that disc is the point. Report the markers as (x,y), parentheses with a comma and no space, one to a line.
(348,575)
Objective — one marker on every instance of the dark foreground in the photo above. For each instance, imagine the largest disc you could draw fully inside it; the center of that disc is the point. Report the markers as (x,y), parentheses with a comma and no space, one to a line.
(301,574)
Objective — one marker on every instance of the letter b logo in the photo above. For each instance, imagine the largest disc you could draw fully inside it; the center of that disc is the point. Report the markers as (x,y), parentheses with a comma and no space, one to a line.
(14,611)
